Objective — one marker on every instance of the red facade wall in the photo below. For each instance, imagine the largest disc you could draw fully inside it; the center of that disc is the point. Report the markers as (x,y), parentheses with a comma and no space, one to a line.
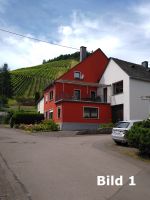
(50,104)
(73,112)
(92,67)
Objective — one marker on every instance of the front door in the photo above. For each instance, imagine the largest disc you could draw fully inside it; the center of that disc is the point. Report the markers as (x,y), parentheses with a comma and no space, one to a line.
(117,113)
(105,94)
(93,95)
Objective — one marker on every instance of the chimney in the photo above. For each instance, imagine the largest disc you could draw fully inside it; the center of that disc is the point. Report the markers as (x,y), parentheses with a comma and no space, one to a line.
(145,64)
(82,53)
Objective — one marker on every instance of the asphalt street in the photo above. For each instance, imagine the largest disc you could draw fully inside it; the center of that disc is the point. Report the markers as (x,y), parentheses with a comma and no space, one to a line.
(66,168)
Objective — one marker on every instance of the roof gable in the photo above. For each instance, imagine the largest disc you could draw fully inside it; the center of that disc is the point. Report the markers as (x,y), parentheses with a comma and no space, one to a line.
(92,68)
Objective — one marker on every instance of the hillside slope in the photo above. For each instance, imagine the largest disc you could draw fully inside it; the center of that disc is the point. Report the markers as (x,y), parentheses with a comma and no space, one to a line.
(27,81)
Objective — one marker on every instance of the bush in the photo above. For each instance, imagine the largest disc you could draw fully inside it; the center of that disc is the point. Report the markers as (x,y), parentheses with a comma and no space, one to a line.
(44,126)
(139,136)
(144,142)
(133,136)
(26,118)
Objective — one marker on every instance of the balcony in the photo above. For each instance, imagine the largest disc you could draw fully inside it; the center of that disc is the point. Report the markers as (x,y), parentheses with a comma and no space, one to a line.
(66,97)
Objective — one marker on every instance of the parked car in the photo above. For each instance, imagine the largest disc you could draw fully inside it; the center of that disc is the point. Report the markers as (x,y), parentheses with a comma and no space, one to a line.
(121,128)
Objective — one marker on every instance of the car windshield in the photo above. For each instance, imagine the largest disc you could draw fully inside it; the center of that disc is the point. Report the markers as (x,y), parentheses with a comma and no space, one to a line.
(122,125)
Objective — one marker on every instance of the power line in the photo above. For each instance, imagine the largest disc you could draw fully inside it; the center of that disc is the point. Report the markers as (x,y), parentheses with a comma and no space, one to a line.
(31,38)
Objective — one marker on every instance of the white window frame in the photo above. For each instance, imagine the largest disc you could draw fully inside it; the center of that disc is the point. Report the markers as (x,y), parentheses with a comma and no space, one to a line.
(46,98)
(79,75)
(50,111)
(59,107)
(90,107)
(74,93)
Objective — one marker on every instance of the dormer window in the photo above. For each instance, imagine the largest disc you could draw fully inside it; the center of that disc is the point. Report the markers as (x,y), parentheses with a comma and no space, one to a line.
(77,75)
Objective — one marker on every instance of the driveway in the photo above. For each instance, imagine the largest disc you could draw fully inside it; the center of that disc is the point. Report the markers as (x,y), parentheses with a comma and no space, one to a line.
(66,168)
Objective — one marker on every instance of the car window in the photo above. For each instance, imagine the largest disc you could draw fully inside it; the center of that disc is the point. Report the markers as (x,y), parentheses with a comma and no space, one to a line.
(122,125)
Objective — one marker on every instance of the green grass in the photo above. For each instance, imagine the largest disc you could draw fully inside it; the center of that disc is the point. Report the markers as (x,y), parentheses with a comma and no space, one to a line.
(27,81)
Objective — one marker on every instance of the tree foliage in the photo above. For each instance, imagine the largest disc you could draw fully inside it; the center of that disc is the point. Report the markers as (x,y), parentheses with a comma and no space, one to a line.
(5,82)
(74,56)
(36,97)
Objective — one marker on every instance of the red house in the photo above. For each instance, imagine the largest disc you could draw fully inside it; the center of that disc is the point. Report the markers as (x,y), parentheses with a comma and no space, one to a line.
(72,101)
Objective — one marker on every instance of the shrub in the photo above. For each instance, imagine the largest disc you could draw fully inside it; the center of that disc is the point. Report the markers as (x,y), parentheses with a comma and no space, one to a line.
(133,136)
(139,136)
(46,125)
(51,124)
(144,142)
(26,118)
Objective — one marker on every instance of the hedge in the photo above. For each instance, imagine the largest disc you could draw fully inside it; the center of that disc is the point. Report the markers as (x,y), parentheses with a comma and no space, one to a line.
(139,136)
(26,118)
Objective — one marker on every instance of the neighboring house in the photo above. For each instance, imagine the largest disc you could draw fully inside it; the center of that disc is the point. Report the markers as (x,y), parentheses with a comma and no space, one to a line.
(126,84)
(72,100)
(40,105)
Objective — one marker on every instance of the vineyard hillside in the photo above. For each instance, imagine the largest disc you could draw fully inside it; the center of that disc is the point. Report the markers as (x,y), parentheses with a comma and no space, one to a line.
(27,81)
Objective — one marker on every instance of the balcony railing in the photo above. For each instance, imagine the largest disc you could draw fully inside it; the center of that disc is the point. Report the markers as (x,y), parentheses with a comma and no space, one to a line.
(66,97)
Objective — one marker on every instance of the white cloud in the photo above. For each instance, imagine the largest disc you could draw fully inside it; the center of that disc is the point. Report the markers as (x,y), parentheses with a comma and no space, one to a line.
(142,9)
(87,32)
(23,52)
(118,36)
(143,14)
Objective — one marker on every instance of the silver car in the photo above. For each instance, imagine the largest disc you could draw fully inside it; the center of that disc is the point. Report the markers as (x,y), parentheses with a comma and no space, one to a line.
(121,128)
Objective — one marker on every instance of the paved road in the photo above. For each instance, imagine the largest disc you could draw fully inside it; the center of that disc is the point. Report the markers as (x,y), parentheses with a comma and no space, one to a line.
(65,168)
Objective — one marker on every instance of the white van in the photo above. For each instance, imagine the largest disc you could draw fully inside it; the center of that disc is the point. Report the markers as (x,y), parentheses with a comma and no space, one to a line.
(121,128)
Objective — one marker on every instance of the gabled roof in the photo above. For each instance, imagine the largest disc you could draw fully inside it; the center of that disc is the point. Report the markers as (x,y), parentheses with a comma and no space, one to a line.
(89,61)
(49,85)
(134,70)
(39,99)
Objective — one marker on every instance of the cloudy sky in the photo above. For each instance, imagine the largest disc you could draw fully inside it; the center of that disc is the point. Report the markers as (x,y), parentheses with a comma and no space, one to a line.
(121,28)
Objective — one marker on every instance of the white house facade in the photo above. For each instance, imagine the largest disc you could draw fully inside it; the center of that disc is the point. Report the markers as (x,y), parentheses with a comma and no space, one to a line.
(40,105)
(139,107)
(123,85)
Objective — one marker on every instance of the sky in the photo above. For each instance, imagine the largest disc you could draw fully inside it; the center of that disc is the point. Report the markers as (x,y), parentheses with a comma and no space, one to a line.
(120,28)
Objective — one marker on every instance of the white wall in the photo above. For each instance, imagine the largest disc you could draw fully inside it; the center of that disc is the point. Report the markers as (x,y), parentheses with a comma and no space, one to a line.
(40,106)
(139,109)
(112,74)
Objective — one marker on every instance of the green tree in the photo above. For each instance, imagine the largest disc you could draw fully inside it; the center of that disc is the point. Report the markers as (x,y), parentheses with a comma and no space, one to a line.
(5,82)
(44,61)
(36,97)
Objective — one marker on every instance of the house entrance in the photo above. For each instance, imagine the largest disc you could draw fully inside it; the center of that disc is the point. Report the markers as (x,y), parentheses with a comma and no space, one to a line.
(117,113)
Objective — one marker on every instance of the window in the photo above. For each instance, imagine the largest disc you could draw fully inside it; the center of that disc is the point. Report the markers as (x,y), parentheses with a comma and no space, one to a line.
(46,98)
(46,115)
(77,94)
(51,114)
(58,112)
(122,125)
(90,112)
(51,95)
(118,87)
(77,75)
